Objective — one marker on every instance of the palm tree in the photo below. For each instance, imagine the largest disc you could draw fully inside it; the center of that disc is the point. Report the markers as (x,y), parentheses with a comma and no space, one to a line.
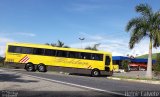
(146,25)
(58,44)
(47,44)
(53,44)
(95,46)
(88,48)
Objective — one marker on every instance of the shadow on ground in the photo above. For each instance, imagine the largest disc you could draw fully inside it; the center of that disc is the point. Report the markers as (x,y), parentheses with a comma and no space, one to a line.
(60,94)
(13,78)
(87,75)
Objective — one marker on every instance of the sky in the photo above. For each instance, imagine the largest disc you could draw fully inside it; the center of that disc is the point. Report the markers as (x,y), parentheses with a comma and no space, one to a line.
(47,21)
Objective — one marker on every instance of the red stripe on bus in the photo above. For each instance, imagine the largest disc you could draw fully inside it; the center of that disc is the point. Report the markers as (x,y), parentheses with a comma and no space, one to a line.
(22,58)
(26,59)
(89,67)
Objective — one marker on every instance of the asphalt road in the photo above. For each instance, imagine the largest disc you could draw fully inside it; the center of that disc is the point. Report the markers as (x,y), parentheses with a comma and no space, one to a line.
(101,84)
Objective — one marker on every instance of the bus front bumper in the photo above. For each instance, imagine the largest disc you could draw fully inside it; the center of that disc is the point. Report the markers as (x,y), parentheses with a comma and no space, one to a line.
(106,73)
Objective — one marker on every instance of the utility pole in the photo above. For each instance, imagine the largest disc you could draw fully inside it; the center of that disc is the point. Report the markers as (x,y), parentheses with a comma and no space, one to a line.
(81,39)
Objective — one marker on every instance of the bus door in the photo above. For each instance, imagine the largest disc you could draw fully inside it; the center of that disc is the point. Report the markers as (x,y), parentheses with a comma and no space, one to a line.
(107,63)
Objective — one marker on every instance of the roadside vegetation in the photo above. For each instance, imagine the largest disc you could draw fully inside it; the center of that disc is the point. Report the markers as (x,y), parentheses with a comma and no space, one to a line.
(61,44)
(145,26)
(94,47)
(154,55)
(58,44)
(125,64)
(137,78)
(1,61)
(156,67)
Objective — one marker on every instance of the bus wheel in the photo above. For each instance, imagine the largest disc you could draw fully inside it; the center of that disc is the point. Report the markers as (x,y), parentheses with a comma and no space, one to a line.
(30,67)
(95,73)
(41,68)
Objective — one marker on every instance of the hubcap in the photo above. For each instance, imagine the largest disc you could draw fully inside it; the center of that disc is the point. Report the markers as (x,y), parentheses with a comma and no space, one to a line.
(96,73)
(41,68)
(30,68)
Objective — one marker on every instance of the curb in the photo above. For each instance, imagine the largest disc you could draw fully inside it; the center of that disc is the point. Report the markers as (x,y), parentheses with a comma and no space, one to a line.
(133,80)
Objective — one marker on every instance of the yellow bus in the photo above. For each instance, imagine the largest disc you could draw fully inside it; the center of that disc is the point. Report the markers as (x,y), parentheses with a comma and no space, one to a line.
(43,57)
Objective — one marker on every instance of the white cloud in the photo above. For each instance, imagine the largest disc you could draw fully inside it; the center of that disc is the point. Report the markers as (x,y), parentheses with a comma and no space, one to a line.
(91,37)
(3,41)
(80,7)
(18,33)
(142,48)
(2,51)
(83,44)
(115,44)
(26,34)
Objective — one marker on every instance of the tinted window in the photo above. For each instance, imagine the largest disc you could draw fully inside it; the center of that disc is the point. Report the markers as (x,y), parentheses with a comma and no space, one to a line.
(27,50)
(85,55)
(50,52)
(73,55)
(107,62)
(61,53)
(14,49)
(38,51)
(97,57)
(11,48)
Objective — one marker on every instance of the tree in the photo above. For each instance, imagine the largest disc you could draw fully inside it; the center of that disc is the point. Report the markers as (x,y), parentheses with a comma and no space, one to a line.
(146,25)
(158,59)
(95,47)
(156,67)
(2,61)
(58,44)
(47,44)
(125,64)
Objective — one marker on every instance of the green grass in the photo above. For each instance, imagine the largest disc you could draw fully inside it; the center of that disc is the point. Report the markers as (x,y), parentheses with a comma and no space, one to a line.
(1,61)
(134,78)
(3,66)
(146,56)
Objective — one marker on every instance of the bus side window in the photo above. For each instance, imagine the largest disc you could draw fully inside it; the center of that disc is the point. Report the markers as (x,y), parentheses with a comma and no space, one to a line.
(18,49)
(11,49)
(38,51)
(97,57)
(72,54)
(61,53)
(14,49)
(49,52)
(27,50)
(85,56)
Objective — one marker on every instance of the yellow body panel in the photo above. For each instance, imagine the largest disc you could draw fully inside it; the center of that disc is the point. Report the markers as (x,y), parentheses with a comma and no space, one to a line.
(57,61)
(115,67)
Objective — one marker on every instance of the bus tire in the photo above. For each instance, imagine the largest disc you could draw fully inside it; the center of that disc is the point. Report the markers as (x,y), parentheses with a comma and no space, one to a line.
(41,68)
(30,67)
(95,73)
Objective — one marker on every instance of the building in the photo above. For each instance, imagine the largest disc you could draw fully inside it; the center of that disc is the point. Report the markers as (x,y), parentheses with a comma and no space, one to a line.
(135,63)
(118,60)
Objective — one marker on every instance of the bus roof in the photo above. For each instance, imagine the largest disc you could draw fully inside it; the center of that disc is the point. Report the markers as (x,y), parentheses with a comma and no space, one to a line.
(51,47)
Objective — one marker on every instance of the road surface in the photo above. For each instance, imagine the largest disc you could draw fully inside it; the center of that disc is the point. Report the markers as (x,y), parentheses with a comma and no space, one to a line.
(98,86)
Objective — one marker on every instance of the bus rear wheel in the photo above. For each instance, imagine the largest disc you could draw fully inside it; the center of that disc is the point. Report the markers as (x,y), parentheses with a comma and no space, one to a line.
(30,67)
(95,73)
(41,68)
